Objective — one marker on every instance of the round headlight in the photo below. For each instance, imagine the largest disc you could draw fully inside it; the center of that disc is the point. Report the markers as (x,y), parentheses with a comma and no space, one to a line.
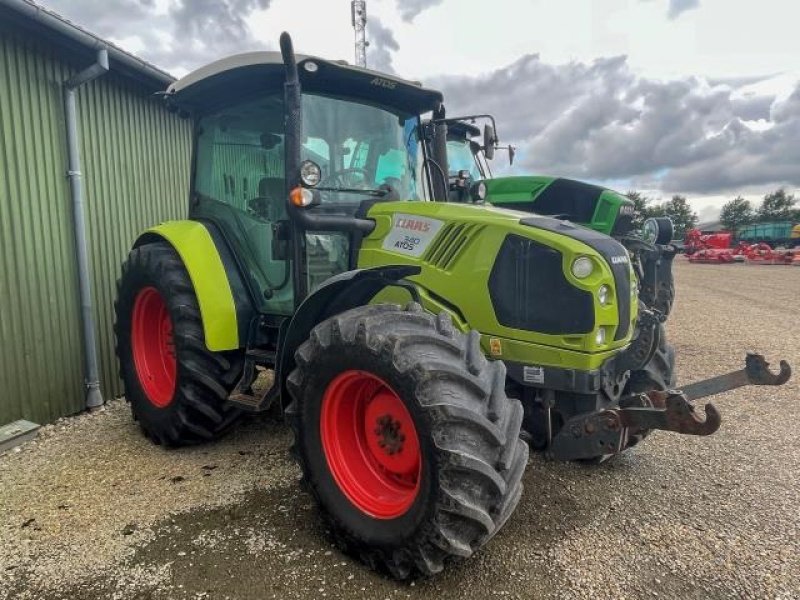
(582,267)
(658,230)
(480,190)
(600,336)
(311,66)
(310,173)
(650,230)
(604,295)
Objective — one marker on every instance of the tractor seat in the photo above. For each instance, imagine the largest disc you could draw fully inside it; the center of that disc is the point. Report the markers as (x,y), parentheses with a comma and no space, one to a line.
(268,204)
(272,187)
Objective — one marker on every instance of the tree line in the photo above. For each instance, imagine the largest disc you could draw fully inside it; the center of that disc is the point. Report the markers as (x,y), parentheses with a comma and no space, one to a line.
(776,206)
(677,209)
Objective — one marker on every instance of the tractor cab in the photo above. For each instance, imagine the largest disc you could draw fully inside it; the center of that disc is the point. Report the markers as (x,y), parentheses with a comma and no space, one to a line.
(348,139)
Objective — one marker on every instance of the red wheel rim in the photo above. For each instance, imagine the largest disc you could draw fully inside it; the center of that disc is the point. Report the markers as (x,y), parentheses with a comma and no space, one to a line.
(153,348)
(371,444)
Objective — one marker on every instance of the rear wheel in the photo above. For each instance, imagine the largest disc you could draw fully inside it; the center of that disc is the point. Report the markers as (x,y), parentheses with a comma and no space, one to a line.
(405,436)
(176,386)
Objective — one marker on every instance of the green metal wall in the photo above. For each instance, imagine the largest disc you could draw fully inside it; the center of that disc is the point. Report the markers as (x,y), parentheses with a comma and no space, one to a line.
(135,167)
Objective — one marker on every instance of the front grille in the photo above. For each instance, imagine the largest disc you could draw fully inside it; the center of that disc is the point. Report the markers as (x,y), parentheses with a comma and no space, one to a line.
(611,250)
(451,243)
(529,291)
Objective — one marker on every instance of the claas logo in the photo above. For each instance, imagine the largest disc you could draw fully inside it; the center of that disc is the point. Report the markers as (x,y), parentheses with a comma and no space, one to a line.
(626,209)
(413,225)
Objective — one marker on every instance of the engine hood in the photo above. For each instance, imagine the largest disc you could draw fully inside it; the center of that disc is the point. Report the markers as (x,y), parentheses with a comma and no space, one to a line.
(467,264)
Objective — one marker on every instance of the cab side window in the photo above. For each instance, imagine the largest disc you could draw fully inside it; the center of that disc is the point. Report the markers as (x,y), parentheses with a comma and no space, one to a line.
(240,185)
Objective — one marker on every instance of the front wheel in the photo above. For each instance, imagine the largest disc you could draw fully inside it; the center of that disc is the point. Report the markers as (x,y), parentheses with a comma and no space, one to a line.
(405,437)
(177,387)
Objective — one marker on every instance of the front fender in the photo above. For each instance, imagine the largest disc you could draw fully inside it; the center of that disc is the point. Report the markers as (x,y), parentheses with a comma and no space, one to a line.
(338,294)
(202,258)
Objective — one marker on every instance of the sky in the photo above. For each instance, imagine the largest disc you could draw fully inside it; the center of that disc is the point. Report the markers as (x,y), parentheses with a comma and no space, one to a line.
(692,97)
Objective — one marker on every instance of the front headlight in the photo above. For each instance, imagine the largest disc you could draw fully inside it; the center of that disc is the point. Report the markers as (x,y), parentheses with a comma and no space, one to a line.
(479,191)
(582,267)
(658,230)
(310,173)
(604,295)
(600,336)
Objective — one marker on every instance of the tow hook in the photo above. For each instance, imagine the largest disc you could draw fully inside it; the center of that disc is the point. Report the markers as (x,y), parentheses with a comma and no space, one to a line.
(608,431)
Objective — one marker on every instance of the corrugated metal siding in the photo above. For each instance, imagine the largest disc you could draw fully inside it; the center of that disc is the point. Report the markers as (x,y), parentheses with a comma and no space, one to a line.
(135,165)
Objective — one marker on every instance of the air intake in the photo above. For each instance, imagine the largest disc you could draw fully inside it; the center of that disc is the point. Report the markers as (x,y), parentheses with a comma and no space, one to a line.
(451,242)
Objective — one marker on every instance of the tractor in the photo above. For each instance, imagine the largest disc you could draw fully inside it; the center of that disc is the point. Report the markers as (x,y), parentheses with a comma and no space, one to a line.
(470,179)
(407,340)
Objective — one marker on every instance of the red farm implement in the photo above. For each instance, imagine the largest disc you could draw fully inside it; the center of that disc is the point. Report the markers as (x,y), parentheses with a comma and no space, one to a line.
(763,254)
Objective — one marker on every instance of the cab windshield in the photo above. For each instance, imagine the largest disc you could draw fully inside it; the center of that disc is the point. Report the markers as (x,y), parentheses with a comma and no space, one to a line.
(460,158)
(361,150)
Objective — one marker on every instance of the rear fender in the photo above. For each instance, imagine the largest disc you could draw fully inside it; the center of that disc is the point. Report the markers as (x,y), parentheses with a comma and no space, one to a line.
(225,306)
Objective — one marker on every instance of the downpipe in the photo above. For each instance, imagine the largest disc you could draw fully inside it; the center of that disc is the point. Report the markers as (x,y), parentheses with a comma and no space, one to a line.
(94,397)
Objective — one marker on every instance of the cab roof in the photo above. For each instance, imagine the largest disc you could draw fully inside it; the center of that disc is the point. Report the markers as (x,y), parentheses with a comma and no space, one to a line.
(252,73)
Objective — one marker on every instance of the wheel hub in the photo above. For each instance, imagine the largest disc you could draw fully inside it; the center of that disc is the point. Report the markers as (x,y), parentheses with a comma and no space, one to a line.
(370,444)
(153,347)
(389,437)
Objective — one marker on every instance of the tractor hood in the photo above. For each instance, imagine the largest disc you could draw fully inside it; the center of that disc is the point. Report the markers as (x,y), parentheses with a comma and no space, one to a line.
(510,274)
(591,205)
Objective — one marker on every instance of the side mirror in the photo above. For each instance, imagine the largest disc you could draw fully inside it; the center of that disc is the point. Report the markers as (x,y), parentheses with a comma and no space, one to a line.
(489,141)
(511,152)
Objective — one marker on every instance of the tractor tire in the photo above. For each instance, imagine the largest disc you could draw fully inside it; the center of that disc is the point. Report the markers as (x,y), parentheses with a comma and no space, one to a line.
(659,373)
(176,386)
(405,437)
(658,285)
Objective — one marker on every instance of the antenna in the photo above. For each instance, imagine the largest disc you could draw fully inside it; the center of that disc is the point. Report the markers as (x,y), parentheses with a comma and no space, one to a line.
(358,13)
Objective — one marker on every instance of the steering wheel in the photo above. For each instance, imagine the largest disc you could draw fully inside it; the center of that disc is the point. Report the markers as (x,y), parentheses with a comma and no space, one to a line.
(342,178)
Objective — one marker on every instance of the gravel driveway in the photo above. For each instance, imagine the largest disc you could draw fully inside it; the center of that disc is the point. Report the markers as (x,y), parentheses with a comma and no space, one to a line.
(91,510)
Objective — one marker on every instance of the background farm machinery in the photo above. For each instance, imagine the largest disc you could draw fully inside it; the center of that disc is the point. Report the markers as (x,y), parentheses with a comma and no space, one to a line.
(746,246)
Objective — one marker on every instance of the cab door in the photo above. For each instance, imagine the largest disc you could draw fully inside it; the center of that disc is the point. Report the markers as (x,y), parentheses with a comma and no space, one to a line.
(239,184)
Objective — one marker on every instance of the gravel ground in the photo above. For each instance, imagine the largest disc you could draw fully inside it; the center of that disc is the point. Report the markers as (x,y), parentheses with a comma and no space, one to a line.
(91,510)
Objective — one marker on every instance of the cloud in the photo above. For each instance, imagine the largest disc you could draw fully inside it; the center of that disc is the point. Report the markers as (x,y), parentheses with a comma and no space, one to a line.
(182,35)
(409,9)
(677,7)
(381,45)
(603,122)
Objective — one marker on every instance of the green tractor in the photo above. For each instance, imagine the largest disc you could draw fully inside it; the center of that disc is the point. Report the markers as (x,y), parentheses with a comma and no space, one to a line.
(311,251)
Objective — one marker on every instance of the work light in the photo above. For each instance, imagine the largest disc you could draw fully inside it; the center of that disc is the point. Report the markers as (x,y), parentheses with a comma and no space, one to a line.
(604,295)
(582,267)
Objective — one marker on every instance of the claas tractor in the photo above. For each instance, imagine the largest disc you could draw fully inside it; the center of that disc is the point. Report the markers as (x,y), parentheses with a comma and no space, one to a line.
(405,340)
(470,179)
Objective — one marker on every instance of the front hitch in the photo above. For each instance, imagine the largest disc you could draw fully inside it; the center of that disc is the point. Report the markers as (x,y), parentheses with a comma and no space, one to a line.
(609,431)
